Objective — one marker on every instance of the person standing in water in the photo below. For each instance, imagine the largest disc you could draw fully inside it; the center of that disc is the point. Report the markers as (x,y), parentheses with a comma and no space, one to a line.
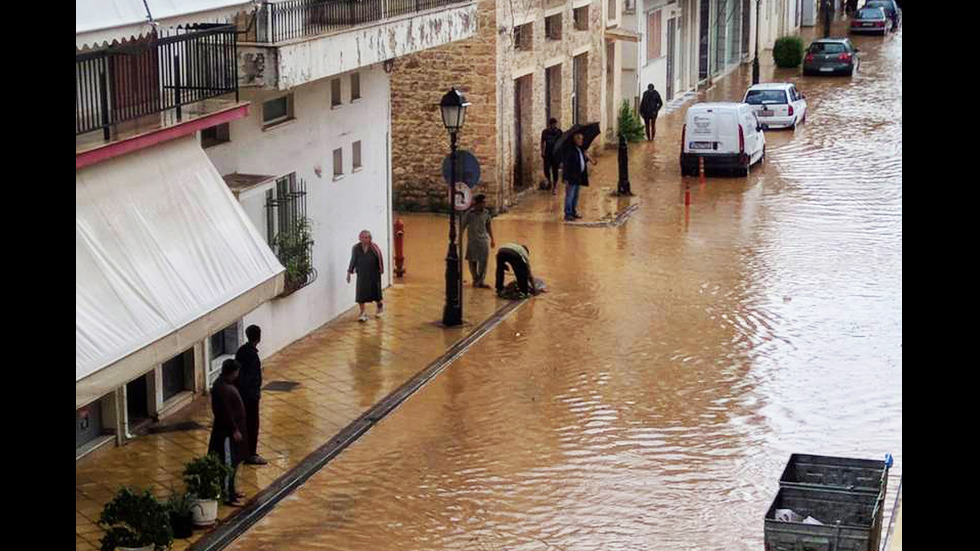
(366,259)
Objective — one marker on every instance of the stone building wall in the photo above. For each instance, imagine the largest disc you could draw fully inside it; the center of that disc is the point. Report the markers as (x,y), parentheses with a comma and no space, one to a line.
(486,69)
(419,141)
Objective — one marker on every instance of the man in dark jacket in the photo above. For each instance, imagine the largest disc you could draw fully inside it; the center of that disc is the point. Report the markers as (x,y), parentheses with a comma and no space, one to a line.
(250,386)
(576,173)
(549,136)
(649,107)
(227,435)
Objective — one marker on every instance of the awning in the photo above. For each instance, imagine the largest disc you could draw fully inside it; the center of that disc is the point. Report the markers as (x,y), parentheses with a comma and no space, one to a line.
(622,34)
(164,257)
(99,22)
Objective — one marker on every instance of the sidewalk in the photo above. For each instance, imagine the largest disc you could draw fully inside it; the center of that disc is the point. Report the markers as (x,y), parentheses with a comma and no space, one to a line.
(343,369)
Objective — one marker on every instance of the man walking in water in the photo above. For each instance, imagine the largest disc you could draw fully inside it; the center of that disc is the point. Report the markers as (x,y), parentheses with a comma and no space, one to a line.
(649,107)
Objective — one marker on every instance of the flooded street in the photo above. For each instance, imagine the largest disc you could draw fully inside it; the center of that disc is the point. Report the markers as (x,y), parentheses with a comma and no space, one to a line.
(651,399)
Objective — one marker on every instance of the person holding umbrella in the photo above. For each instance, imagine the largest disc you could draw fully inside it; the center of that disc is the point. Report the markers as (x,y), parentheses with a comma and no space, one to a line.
(576,174)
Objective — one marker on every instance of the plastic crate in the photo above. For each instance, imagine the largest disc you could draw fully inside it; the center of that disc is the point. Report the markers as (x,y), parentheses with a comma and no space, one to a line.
(851,521)
(835,473)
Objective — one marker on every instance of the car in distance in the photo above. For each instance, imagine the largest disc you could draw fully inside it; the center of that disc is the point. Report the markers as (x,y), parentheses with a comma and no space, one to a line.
(776,104)
(871,20)
(830,56)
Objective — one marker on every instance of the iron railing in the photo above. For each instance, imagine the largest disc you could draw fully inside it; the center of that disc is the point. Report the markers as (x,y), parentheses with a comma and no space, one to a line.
(285,209)
(152,75)
(280,21)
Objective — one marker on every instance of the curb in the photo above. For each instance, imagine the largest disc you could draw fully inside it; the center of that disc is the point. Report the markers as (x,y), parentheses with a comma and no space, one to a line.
(237,524)
(620,219)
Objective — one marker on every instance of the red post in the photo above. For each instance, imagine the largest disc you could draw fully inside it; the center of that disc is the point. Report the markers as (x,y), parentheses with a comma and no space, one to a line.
(399,250)
(701,169)
(687,194)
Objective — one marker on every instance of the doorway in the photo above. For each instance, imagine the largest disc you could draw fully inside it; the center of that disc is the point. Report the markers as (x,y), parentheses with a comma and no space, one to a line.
(705,24)
(137,401)
(523,142)
(671,51)
(580,76)
(552,93)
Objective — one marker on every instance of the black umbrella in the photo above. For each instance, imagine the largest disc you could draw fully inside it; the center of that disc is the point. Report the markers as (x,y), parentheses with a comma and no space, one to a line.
(589,132)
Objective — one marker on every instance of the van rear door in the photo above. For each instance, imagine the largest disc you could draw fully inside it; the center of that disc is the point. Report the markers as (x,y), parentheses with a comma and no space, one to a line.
(711,130)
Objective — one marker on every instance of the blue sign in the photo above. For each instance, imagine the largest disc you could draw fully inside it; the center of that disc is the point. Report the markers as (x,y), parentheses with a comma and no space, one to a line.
(467,168)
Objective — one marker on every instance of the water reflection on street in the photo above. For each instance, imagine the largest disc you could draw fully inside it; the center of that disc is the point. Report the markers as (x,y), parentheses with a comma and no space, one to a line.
(651,399)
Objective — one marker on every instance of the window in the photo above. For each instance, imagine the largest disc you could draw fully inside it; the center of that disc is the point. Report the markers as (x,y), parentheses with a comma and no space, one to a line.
(335,93)
(758,97)
(653,36)
(214,135)
(356,154)
(612,16)
(581,16)
(524,37)
(355,86)
(552,27)
(277,110)
(292,242)
(338,163)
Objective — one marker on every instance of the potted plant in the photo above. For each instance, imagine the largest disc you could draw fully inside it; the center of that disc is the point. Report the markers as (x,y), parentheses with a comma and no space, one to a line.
(135,521)
(205,477)
(181,514)
(294,249)
(630,125)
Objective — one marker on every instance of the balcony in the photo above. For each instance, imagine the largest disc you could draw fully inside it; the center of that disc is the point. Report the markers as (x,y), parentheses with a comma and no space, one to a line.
(139,89)
(289,43)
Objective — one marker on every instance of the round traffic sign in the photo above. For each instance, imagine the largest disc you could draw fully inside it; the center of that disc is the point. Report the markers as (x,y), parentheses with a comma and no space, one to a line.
(463,197)
(467,168)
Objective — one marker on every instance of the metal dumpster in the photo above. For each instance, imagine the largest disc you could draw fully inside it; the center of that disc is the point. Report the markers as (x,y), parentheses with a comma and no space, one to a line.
(835,473)
(851,521)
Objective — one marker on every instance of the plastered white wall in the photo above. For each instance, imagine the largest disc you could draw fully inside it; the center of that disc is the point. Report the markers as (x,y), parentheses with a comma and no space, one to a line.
(338,209)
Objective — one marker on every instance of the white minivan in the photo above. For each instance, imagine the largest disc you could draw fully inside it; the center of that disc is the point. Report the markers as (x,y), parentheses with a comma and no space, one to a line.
(726,135)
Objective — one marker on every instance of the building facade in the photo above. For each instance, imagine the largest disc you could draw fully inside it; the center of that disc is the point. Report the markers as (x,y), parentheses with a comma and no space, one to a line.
(530,60)
(264,128)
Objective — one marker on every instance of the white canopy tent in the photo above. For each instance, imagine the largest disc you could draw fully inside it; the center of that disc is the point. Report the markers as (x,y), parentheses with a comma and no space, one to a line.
(99,22)
(164,257)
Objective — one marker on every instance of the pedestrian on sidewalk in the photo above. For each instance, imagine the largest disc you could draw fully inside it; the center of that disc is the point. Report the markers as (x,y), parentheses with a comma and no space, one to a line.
(576,173)
(649,108)
(549,136)
(518,258)
(476,224)
(228,439)
(249,384)
(366,259)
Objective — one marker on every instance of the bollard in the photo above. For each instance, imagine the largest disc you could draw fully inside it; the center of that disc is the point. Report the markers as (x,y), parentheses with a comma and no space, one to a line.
(624,174)
(399,251)
(687,194)
(701,178)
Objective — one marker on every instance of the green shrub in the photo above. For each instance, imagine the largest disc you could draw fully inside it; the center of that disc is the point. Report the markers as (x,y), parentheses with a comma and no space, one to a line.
(205,476)
(630,125)
(133,519)
(788,52)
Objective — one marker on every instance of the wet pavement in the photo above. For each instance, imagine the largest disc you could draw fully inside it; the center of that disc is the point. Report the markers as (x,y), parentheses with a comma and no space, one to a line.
(651,399)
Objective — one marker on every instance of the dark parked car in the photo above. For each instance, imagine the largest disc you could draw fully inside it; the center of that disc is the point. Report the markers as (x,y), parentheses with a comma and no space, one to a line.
(892,11)
(829,56)
(871,20)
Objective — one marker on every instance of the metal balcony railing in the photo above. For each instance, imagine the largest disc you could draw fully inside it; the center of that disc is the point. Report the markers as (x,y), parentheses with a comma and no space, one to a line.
(280,21)
(152,75)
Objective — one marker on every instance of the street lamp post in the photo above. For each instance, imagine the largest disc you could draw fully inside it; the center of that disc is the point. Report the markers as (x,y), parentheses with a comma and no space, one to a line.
(453,107)
(758,27)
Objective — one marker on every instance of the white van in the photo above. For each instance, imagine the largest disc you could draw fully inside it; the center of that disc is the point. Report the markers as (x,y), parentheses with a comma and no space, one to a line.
(726,135)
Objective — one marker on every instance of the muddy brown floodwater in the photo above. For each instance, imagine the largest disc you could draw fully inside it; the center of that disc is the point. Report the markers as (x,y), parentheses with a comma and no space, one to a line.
(652,398)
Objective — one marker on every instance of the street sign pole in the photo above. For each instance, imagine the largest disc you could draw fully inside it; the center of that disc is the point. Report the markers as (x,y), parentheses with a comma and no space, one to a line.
(452,313)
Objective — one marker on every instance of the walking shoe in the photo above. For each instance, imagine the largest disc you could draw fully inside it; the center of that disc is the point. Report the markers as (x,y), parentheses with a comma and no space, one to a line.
(256,460)
(364,317)
(233,503)
(380,312)
(576,216)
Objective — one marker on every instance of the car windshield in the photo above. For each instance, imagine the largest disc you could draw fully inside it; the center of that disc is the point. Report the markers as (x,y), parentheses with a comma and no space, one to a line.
(758,97)
(827,48)
(871,13)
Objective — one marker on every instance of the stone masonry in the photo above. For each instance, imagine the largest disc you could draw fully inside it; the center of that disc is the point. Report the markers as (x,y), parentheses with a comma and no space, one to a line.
(487,68)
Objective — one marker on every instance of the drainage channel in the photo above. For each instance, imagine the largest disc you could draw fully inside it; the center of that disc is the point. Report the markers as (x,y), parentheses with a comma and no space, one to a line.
(266,500)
